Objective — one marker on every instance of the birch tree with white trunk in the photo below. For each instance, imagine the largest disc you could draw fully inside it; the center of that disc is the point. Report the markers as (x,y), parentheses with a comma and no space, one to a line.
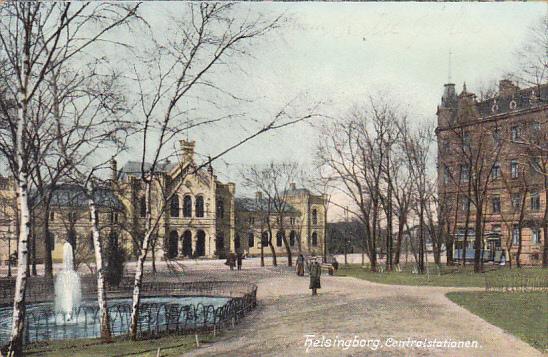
(36,38)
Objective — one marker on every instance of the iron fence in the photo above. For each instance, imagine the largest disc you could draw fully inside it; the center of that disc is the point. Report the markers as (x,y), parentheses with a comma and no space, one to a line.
(516,283)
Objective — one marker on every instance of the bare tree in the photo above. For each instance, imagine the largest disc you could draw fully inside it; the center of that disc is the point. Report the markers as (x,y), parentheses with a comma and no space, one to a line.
(274,182)
(36,38)
(206,35)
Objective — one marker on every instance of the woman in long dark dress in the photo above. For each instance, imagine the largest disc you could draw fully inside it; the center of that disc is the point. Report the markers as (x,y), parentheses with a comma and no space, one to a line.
(315,274)
(300,265)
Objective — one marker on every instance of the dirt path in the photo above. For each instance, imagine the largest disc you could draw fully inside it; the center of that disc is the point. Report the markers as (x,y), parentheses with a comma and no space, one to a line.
(348,307)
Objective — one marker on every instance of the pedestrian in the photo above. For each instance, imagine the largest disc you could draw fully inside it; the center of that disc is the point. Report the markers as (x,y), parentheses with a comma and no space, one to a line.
(315,273)
(300,265)
(239,260)
(335,264)
(231,260)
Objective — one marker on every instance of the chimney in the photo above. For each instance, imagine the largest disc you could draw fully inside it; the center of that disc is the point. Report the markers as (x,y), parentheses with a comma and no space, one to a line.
(187,151)
(259,195)
(292,186)
(507,88)
(114,169)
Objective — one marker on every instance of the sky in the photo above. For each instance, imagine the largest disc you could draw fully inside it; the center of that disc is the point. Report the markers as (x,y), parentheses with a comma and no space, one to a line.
(339,54)
(333,56)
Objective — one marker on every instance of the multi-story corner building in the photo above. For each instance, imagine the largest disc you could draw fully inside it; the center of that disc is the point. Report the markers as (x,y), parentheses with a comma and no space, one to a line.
(203,217)
(492,165)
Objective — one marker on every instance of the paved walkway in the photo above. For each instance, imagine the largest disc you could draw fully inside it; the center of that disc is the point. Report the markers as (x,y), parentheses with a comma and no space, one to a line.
(349,307)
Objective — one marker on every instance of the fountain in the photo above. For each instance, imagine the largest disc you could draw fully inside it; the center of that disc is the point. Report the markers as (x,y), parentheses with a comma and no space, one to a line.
(67,285)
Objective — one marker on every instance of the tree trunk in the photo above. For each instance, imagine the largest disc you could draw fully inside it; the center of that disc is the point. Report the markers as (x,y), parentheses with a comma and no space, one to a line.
(48,260)
(18,321)
(101,283)
(399,239)
(545,224)
(465,241)
(520,227)
(262,252)
(136,299)
(478,237)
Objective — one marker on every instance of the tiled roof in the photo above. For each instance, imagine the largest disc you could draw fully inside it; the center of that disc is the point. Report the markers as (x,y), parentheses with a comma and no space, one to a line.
(522,99)
(246,204)
(133,168)
(70,195)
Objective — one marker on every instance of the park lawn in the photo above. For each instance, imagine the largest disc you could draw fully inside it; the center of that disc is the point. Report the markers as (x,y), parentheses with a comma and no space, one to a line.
(170,346)
(448,277)
(523,314)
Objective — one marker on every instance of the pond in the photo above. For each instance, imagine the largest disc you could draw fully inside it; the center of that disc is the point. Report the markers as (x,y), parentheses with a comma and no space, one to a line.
(157,315)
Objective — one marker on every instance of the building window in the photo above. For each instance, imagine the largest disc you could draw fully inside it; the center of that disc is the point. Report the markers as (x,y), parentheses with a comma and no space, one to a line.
(142,207)
(495,201)
(113,217)
(535,201)
(187,206)
(264,239)
(52,216)
(279,238)
(514,168)
(314,216)
(292,238)
(251,220)
(516,201)
(464,173)
(72,216)
(535,236)
(250,240)
(446,174)
(466,141)
(314,239)
(465,204)
(496,172)
(535,129)
(292,220)
(200,206)
(515,234)
(536,165)
(174,206)
(516,133)
(91,243)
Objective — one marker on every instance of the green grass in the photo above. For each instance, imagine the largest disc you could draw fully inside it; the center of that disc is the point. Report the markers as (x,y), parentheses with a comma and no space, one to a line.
(522,314)
(448,276)
(170,346)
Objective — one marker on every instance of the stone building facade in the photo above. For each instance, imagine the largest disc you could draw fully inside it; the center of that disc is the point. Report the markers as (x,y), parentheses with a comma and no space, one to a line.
(492,171)
(303,224)
(203,218)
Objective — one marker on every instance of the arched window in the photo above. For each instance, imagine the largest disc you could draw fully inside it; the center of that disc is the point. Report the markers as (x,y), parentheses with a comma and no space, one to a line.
(279,238)
(314,239)
(199,206)
(314,216)
(187,206)
(220,208)
(174,206)
(264,239)
(292,238)
(250,240)
(91,243)
(142,207)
